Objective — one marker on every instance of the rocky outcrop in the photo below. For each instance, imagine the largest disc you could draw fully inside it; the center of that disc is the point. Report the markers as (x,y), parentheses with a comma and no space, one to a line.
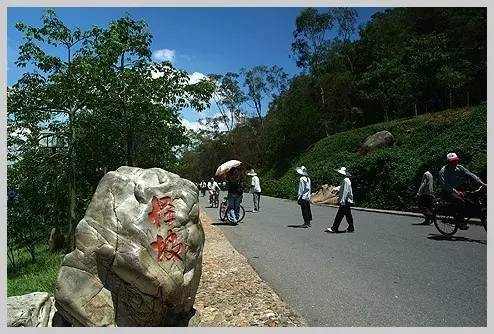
(30,310)
(138,256)
(325,195)
(378,140)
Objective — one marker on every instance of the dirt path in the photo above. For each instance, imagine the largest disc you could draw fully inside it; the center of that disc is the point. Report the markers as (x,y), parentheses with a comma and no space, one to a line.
(231,294)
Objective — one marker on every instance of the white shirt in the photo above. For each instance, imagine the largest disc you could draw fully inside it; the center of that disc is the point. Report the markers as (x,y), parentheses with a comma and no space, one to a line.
(304,188)
(213,186)
(345,195)
(426,187)
(256,185)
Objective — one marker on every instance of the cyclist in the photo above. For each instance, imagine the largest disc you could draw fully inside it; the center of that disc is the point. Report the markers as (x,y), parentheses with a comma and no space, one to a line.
(451,176)
(235,193)
(214,190)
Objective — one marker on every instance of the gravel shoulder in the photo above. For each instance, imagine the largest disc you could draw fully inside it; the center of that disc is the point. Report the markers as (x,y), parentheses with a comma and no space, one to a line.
(231,293)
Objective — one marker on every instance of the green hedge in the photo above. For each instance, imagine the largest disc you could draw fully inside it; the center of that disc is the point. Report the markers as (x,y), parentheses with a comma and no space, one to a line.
(388,178)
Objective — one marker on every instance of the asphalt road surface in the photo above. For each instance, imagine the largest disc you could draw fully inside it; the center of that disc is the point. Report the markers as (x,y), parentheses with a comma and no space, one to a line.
(389,272)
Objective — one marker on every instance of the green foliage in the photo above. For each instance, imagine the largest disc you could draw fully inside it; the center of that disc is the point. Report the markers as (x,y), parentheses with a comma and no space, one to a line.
(389,178)
(30,276)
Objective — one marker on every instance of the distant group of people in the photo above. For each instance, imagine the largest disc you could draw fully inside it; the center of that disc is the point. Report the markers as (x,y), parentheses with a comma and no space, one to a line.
(451,176)
(233,184)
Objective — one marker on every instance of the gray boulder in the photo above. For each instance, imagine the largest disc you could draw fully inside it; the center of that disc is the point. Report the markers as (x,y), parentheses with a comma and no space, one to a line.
(138,256)
(30,310)
(378,140)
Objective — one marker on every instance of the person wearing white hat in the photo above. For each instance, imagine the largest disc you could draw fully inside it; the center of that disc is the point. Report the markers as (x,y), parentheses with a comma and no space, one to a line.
(452,176)
(303,196)
(255,186)
(345,200)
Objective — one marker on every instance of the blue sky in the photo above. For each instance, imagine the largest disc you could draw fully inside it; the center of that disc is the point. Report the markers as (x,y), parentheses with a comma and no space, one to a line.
(198,40)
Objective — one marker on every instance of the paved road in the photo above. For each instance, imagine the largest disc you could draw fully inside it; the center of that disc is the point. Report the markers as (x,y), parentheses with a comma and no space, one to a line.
(390,272)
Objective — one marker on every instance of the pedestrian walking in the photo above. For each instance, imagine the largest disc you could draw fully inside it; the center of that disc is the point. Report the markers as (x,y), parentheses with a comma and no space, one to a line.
(425,197)
(255,187)
(345,201)
(202,187)
(303,197)
(235,193)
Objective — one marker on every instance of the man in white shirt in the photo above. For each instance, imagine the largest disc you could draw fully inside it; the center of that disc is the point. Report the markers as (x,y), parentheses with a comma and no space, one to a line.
(426,197)
(345,200)
(303,196)
(255,187)
(213,189)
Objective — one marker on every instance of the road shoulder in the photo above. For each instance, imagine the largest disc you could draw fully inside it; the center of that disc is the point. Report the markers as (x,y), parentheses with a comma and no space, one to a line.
(231,293)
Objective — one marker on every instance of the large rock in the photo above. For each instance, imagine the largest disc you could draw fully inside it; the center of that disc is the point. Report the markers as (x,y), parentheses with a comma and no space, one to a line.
(378,140)
(325,195)
(31,310)
(138,256)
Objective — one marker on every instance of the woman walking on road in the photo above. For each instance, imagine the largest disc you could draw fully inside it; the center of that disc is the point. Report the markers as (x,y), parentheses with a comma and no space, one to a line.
(303,198)
(345,200)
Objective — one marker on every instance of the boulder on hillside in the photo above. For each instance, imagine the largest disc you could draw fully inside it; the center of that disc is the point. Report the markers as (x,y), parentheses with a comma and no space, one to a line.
(378,140)
(30,310)
(138,256)
(325,195)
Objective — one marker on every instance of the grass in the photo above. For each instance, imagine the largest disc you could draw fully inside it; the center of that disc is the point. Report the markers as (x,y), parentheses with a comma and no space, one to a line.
(388,178)
(28,276)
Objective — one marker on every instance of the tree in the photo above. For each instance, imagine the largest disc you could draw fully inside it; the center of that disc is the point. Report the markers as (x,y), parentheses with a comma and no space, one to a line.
(260,81)
(229,99)
(105,79)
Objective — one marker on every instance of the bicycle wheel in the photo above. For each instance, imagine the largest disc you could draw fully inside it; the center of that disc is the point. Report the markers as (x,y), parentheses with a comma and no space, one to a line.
(241,214)
(446,225)
(223,210)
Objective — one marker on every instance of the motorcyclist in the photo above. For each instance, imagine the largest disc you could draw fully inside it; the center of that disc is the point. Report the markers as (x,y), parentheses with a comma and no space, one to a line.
(451,176)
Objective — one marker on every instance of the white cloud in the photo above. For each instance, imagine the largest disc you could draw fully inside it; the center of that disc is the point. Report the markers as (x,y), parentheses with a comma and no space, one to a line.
(196,77)
(164,55)
(194,126)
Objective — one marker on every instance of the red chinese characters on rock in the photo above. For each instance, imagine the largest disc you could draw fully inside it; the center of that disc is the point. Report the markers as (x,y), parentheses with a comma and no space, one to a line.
(163,211)
(168,248)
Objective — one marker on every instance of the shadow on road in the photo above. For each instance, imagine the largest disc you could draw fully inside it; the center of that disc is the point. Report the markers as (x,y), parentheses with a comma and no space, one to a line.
(422,224)
(440,237)
(223,224)
(296,226)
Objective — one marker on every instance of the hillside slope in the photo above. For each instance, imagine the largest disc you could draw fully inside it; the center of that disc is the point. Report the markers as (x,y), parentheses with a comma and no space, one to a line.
(388,178)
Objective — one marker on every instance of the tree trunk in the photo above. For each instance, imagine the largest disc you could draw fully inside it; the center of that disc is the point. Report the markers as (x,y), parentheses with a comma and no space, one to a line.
(450,98)
(11,256)
(468,98)
(72,188)
(415,109)
(130,147)
(322,96)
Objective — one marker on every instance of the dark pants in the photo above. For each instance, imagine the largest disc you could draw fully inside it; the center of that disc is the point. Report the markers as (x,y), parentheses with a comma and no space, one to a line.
(426,203)
(256,196)
(306,213)
(343,210)
(459,204)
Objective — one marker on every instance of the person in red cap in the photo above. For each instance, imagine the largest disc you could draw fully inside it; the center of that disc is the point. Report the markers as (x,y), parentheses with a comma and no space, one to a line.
(451,176)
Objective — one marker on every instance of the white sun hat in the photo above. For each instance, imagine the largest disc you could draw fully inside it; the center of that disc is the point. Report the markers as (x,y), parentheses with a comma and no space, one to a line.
(342,171)
(301,170)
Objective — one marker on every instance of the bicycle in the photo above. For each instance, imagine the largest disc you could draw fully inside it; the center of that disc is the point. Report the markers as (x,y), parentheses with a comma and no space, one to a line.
(447,224)
(214,199)
(223,212)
